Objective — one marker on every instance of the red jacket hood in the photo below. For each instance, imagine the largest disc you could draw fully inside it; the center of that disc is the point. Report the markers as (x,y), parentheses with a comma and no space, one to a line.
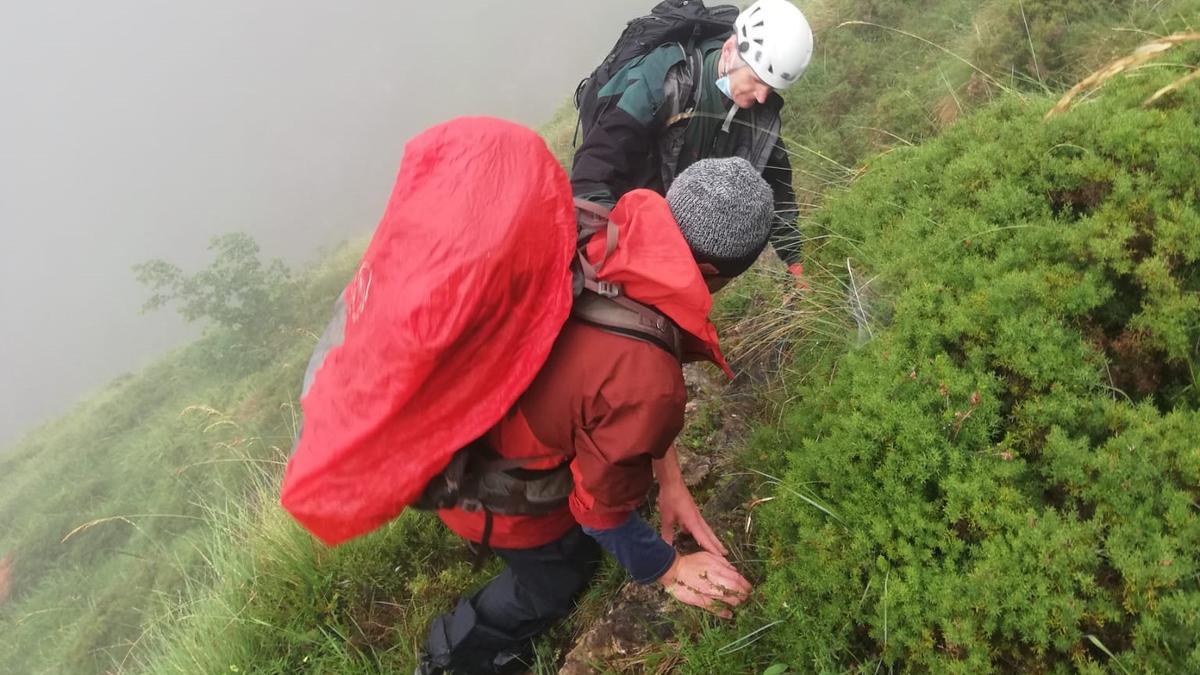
(653,263)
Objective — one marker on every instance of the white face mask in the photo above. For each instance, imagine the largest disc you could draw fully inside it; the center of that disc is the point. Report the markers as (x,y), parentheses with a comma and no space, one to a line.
(723,81)
(723,85)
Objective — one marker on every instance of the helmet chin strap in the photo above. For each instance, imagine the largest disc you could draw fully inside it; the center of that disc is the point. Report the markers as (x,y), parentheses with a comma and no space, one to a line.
(723,70)
(729,117)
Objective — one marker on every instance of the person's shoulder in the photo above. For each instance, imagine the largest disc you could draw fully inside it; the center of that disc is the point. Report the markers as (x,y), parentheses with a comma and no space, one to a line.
(664,56)
(646,72)
(711,45)
(590,371)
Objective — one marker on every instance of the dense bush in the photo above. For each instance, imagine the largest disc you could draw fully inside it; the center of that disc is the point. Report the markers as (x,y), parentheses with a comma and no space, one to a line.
(1008,475)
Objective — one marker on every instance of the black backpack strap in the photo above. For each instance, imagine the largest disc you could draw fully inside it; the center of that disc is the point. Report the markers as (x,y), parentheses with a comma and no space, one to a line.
(485,542)
(478,479)
(696,62)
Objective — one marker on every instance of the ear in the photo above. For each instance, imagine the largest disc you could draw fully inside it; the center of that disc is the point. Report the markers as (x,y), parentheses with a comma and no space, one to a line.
(727,51)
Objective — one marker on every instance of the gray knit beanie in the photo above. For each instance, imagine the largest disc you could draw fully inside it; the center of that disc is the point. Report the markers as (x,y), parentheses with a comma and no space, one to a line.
(724,209)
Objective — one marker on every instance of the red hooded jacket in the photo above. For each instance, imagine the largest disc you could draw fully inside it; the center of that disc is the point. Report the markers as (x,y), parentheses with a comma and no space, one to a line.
(608,404)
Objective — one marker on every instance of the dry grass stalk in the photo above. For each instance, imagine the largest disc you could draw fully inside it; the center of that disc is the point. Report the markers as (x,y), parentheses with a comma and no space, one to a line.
(1147,52)
(947,111)
(979,71)
(1194,75)
(89,525)
(666,655)
(100,521)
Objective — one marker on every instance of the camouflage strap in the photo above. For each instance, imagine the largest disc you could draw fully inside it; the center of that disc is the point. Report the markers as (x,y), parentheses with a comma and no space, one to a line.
(477,479)
(592,218)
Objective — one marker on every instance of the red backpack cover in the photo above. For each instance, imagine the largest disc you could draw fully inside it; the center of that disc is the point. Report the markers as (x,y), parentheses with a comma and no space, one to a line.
(454,308)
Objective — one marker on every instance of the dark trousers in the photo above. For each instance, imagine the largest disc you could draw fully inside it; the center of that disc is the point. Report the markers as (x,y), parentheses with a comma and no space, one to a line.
(492,631)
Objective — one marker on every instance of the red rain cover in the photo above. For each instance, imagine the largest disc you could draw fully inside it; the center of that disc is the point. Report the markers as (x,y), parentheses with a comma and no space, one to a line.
(454,309)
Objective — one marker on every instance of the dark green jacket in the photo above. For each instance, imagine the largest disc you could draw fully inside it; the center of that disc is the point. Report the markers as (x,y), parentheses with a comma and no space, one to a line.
(652,122)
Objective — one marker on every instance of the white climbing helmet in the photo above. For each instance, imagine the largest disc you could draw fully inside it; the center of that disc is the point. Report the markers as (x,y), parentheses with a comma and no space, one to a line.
(775,39)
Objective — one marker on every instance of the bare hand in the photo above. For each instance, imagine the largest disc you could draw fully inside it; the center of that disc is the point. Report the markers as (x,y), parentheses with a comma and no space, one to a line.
(707,581)
(677,509)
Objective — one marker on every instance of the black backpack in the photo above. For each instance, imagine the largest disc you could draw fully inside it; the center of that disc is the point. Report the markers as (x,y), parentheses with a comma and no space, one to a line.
(687,22)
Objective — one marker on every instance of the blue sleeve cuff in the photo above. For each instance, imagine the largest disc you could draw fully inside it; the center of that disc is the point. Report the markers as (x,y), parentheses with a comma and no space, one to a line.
(639,549)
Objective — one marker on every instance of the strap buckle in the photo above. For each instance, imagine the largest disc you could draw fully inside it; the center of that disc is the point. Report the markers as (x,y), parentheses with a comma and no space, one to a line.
(608,289)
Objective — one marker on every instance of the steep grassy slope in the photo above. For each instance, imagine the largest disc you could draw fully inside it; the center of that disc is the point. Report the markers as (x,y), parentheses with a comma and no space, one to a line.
(106,511)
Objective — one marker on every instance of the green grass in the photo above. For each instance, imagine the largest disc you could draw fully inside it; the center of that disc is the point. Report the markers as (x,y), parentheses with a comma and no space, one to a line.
(280,602)
(139,466)
(906,72)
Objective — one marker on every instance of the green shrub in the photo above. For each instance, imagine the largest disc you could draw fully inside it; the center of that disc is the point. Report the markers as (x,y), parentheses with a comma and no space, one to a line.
(922,66)
(1007,478)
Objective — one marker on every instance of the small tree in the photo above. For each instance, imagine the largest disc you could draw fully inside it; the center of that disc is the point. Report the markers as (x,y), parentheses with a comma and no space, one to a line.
(237,292)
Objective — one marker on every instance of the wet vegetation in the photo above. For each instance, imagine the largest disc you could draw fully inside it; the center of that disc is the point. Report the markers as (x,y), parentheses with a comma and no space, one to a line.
(1005,478)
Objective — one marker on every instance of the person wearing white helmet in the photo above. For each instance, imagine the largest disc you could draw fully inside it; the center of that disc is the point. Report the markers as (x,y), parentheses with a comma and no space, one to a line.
(769,50)
(679,103)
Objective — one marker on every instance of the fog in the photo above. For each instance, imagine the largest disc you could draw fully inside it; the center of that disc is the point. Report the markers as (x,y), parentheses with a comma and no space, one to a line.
(133,130)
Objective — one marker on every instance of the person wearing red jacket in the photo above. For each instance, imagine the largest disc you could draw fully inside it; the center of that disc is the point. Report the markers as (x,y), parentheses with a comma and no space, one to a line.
(611,405)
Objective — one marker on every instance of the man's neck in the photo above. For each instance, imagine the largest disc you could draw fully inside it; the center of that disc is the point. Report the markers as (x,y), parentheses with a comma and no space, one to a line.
(712,64)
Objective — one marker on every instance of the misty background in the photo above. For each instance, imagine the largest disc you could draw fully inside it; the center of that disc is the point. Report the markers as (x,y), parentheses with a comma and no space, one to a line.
(132,130)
